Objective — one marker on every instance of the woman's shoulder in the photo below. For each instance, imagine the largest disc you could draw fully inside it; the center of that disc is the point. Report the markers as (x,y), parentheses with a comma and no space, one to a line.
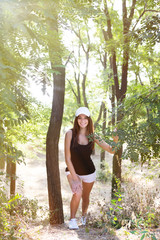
(69,133)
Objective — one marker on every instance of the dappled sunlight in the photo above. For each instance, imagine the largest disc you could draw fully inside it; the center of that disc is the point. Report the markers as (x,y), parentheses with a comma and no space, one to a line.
(32,180)
(144,176)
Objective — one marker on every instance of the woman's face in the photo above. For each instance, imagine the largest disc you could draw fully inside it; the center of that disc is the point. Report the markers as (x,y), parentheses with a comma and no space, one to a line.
(82,121)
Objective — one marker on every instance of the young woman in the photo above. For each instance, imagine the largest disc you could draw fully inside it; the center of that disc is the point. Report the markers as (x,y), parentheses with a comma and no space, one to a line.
(80,169)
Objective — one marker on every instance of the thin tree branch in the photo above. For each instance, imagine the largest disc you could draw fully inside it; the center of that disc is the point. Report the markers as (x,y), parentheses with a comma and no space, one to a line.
(68,58)
(124,10)
(72,89)
(79,36)
(141,15)
(109,36)
(132,12)
(105,34)
(106,12)
(100,115)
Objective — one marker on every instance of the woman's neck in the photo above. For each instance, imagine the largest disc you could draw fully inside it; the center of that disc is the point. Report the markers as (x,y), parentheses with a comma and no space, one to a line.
(83,131)
(82,138)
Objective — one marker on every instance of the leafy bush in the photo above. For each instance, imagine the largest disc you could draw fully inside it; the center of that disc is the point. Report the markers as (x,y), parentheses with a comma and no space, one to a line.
(14,215)
(27,207)
(135,208)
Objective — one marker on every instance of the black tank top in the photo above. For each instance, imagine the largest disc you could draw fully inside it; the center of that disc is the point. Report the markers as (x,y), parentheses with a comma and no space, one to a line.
(81,158)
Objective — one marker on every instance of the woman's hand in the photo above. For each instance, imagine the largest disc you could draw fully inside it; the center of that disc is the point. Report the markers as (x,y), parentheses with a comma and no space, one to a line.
(115,138)
(76,186)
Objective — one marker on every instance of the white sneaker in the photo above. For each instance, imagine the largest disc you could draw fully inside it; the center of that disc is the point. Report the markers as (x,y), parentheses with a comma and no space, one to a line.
(73,224)
(83,220)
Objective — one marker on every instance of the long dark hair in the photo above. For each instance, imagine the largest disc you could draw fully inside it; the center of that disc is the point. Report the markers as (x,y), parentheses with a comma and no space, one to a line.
(76,130)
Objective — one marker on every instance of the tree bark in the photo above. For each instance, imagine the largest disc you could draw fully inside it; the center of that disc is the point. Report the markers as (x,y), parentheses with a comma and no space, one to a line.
(13,179)
(78,90)
(116,178)
(102,159)
(113,120)
(84,80)
(53,134)
(99,115)
(52,158)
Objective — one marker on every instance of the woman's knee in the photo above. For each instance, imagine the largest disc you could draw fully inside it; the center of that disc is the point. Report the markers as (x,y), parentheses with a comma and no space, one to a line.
(78,194)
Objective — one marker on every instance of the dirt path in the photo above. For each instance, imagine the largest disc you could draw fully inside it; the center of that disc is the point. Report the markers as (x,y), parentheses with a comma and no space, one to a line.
(32,183)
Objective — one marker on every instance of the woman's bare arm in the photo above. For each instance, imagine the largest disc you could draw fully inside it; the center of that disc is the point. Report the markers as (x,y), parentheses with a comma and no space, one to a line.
(68,138)
(76,185)
(105,146)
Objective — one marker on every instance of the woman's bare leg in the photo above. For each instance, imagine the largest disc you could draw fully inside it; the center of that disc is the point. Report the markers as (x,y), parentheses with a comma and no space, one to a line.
(76,197)
(87,187)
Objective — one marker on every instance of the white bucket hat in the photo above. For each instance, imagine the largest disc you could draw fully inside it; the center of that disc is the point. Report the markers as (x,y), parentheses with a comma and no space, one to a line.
(83,110)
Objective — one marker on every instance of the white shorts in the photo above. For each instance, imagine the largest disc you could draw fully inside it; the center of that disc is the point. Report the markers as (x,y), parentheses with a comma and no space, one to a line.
(86,178)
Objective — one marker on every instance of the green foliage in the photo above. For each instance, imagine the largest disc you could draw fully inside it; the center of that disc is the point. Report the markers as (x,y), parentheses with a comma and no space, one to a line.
(14,214)
(134,208)
(110,213)
(13,94)
(27,208)
(37,126)
(143,233)
(10,118)
(8,224)
(141,124)
(149,32)
(115,209)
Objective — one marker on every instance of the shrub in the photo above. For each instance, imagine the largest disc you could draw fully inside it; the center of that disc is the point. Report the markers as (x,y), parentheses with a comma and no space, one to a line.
(135,207)
(14,215)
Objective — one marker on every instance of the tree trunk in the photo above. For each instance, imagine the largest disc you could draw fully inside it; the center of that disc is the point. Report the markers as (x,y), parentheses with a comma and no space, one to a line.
(2,163)
(13,179)
(102,159)
(8,167)
(53,134)
(120,90)
(99,115)
(116,178)
(78,90)
(84,90)
(113,95)
(52,158)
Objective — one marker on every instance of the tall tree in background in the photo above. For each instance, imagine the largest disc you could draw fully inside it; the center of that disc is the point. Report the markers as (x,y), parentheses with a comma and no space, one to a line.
(118,39)
(120,89)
